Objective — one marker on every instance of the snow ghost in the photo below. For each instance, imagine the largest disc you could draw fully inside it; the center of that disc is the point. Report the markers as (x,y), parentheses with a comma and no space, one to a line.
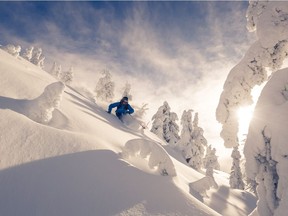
(41,108)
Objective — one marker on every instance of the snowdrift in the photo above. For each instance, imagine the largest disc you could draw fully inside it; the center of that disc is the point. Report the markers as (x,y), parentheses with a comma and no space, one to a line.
(155,154)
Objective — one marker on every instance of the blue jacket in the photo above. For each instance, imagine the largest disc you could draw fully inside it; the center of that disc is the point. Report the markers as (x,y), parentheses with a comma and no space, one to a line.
(121,108)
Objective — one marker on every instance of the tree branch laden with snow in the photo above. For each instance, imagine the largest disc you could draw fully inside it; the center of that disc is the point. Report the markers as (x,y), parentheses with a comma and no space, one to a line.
(164,124)
(270,21)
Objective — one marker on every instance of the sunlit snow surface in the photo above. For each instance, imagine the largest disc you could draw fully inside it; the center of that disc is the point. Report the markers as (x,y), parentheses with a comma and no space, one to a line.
(86,162)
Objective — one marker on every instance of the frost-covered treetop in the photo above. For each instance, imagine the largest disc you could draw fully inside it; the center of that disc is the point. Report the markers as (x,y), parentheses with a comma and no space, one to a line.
(12,49)
(269,19)
(186,121)
(162,111)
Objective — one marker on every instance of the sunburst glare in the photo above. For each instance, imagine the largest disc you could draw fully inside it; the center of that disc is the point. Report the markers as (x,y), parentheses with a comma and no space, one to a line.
(245,113)
(244,117)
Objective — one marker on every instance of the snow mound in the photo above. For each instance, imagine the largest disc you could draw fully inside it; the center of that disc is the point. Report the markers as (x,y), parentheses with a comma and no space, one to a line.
(41,108)
(202,185)
(89,183)
(155,154)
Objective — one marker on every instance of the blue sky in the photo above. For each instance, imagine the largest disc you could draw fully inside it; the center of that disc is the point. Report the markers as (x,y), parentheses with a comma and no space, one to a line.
(177,51)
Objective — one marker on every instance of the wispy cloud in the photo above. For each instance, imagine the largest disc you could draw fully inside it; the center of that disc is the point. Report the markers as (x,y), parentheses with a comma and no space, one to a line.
(180,52)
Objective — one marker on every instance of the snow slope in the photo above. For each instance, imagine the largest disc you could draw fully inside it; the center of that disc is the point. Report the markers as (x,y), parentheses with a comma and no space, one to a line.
(86,162)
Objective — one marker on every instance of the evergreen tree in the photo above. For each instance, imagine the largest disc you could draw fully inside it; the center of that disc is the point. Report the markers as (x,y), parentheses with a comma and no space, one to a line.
(158,120)
(186,139)
(67,76)
(236,174)
(126,91)
(13,50)
(164,124)
(197,146)
(210,161)
(198,134)
(28,53)
(171,129)
(105,87)
(192,141)
(38,58)
(56,71)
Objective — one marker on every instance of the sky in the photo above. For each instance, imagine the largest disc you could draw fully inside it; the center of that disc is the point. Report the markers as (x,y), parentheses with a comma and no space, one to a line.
(179,52)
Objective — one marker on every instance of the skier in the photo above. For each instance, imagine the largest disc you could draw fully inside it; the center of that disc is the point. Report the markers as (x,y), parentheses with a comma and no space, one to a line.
(123,108)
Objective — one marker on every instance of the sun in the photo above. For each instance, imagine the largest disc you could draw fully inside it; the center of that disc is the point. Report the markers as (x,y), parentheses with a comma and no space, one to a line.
(245,115)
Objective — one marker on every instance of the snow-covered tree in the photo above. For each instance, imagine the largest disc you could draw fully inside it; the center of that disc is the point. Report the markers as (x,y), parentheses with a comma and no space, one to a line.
(11,49)
(105,87)
(186,139)
(198,145)
(141,112)
(41,109)
(28,53)
(210,161)
(158,119)
(126,91)
(38,58)
(269,20)
(236,179)
(198,133)
(164,124)
(171,129)
(56,70)
(192,141)
(67,76)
